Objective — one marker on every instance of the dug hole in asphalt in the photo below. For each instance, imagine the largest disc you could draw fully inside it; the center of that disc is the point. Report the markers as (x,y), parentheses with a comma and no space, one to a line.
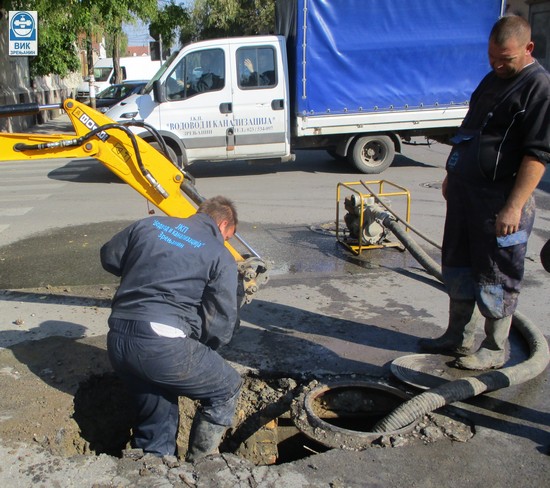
(325,315)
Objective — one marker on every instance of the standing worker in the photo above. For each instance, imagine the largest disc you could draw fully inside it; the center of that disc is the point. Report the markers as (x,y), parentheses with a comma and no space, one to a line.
(498,158)
(176,304)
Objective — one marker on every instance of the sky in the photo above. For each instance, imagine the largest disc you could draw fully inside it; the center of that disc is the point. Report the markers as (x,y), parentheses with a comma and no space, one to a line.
(138,35)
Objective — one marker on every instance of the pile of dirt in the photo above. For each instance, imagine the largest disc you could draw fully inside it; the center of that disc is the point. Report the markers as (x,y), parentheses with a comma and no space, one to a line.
(40,382)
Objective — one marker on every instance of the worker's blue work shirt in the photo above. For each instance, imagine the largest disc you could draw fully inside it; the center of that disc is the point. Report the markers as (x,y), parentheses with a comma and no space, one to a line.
(176,272)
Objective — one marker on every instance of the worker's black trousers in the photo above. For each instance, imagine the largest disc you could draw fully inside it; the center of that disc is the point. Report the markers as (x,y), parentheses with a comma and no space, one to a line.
(476,264)
(157,370)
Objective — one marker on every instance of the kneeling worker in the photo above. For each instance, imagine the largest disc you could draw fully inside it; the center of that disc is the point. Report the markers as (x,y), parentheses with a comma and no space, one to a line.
(176,304)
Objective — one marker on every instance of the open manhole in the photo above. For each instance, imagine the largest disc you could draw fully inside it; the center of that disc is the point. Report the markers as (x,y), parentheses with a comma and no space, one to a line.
(277,421)
(342,414)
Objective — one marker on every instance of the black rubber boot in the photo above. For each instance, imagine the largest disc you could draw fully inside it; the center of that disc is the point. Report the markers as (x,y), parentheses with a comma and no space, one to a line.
(204,438)
(460,334)
(492,352)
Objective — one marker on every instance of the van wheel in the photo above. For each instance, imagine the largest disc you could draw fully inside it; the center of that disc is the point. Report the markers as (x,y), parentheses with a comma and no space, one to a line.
(372,154)
(172,156)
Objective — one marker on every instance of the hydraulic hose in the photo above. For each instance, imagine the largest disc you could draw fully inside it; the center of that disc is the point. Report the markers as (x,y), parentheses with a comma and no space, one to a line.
(464,388)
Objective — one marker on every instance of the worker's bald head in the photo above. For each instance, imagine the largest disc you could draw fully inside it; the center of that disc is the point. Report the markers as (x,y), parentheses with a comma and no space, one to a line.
(511,27)
(510,46)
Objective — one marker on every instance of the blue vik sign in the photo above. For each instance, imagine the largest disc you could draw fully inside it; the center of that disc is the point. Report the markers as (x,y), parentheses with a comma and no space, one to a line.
(23,33)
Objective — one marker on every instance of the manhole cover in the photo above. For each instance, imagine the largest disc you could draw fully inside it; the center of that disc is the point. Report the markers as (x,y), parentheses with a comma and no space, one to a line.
(427,370)
(327,229)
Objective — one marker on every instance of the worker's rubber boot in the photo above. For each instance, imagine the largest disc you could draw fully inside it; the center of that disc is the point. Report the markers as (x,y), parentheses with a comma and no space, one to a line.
(460,334)
(204,438)
(492,352)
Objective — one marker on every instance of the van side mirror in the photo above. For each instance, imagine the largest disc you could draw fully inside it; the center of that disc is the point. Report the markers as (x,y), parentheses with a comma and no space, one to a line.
(159,92)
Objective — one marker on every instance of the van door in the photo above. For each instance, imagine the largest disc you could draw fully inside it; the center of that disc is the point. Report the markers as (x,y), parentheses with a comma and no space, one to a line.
(198,106)
(259,108)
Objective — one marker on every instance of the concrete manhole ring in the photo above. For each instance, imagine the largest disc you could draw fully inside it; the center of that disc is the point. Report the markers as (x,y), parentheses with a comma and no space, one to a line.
(324,412)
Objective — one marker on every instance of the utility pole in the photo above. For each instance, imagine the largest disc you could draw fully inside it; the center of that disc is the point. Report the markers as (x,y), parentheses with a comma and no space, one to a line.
(90,60)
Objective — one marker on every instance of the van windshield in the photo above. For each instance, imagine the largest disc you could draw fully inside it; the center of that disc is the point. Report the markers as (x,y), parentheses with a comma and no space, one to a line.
(161,71)
(102,74)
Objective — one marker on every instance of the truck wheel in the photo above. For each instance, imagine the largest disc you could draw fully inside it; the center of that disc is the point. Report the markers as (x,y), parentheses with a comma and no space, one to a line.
(372,154)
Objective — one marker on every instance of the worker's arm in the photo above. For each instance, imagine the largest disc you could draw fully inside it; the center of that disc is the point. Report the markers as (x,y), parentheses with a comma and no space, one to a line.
(529,175)
(113,253)
(444,186)
(219,305)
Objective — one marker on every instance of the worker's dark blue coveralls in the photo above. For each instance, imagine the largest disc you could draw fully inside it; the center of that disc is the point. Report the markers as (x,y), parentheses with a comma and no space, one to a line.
(507,120)
(176,304)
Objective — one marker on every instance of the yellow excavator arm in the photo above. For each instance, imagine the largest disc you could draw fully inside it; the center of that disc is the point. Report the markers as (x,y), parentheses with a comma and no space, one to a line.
(138,163)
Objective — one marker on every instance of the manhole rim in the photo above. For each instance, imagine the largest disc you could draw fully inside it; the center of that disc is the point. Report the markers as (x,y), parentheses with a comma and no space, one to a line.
(314,427)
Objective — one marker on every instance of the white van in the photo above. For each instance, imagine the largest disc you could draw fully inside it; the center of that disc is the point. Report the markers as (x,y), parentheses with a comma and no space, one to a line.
(132,67)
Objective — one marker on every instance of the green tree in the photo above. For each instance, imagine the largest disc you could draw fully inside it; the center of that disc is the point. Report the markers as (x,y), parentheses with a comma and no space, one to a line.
(212,19)
(114,13)
(58,49)
(60,22)
(171,19)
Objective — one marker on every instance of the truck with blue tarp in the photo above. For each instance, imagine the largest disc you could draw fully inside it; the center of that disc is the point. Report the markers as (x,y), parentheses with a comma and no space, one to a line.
(357,78)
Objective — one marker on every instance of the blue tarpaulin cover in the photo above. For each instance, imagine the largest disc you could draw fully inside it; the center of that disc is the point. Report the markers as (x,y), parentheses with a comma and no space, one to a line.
(378,55)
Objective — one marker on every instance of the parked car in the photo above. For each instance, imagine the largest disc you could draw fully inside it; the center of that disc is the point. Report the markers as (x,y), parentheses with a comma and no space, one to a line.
(113,94)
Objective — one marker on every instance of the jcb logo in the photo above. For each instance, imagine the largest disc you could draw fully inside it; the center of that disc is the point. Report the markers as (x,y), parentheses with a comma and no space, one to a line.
(90,124)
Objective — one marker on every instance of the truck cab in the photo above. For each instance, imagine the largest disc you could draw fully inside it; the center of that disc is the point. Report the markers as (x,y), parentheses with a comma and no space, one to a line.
(218,100)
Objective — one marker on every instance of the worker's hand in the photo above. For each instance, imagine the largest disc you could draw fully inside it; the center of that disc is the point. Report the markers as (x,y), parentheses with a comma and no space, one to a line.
(507,221)
(444,188)
(249,65)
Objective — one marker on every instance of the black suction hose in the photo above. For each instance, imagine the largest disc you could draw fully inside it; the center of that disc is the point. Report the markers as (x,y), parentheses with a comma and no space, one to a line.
(464,388)
(418,253)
